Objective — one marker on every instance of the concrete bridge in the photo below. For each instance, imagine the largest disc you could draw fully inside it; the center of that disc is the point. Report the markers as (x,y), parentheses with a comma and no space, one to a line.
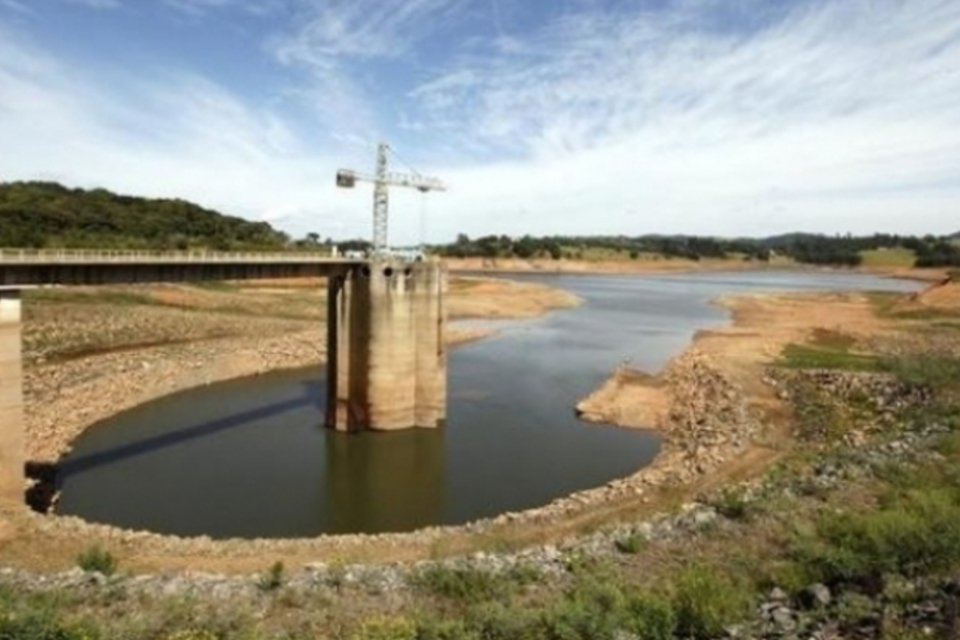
(386,319)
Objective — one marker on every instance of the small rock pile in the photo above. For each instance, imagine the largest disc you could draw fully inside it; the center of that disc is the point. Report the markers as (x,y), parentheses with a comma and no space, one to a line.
(818,612)
(709,416)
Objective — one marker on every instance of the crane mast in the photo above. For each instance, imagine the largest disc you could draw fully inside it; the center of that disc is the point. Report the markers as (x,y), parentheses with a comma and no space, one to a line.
(382,179)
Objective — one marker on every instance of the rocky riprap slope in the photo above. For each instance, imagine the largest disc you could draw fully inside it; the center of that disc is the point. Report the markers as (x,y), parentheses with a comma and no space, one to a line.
(710,418)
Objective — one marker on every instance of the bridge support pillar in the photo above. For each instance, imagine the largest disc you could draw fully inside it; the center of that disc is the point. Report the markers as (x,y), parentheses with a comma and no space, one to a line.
(12,430)
(386,349)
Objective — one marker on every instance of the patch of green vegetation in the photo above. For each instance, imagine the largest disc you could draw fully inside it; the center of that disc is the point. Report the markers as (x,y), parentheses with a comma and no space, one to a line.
(888,257)
(386,628)
(828,350)
(601,602)
(931,370)
(631,544)
(601,609)
(43,624)
(914,529)
(912,534)
(96,558)
(817,418)
(273,578)
(120,297)
(798,356)
(732,503)
(706,601)
(470,585)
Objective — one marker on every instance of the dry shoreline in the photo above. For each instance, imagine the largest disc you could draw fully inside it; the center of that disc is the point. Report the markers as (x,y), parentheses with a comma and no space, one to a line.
(506,266)
(714,404)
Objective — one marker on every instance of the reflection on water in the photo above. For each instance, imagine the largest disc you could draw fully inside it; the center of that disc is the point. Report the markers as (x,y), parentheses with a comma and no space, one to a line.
(385,482)
(251,457)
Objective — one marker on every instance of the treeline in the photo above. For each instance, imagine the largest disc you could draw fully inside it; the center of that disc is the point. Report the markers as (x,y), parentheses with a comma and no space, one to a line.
(934,252)
(802,247)
(49,215)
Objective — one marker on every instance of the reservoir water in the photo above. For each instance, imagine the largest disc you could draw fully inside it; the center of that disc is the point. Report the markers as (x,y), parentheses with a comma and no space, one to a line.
(251,458)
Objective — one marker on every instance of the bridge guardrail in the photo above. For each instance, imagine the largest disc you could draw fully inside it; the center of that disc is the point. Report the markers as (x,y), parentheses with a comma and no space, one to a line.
(79,256)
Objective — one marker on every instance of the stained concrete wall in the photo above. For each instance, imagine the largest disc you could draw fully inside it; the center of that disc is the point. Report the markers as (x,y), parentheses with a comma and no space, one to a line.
(12,433)
(386,350)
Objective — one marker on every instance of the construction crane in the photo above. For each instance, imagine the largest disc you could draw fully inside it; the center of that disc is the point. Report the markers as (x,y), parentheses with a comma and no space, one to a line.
(382,179)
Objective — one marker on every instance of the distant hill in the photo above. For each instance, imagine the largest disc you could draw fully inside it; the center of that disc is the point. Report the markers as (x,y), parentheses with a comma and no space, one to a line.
(808,248)
(46,214)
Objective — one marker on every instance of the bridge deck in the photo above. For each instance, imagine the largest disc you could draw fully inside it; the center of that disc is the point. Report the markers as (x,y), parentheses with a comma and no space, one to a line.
(37,267)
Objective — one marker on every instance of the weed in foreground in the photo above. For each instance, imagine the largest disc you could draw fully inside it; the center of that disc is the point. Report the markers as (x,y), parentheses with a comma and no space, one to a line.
(273,578)
(96,558)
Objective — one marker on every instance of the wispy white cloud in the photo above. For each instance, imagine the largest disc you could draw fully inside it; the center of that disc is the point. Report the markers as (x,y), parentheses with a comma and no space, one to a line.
(700,117)
(16,6)
(201,8)
(169,134)
(97,4)
(824,117)
(330,41)
(334,31)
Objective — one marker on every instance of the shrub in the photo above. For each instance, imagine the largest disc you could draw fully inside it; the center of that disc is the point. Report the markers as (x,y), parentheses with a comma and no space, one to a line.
(463,584)
(41,623)
(593,609)
(499,622)
(912,533)
(927,370)
(706,601)
(651,617)
(96,558)
(818,419)
(191,634)
(448,629)
(733,504)
(631,544)
(273,578)
(386,628)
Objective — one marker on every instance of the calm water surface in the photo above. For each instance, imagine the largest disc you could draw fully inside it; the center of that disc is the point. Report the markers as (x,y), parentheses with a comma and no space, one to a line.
(251,457)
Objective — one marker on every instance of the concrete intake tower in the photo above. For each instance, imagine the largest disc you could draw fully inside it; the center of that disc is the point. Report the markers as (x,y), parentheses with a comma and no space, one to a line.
(386,348)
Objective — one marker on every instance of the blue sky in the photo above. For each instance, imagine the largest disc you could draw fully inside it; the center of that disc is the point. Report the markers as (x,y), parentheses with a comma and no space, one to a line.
(726,117)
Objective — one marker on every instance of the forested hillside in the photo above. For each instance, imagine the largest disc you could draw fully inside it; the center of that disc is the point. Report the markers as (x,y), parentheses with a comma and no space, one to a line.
(45,214)
(806,248)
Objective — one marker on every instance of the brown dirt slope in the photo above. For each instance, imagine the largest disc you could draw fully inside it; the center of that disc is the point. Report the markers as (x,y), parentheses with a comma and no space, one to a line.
(942,296)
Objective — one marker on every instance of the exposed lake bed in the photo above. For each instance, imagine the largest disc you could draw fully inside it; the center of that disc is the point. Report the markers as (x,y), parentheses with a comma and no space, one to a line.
(266,467)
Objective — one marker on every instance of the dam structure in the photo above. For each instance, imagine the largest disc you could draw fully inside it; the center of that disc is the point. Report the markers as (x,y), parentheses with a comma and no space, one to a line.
(386,351)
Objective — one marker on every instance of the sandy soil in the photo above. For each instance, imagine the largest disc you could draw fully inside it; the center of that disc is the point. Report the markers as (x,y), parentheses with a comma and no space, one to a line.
(941,296)
(517,265)
(663,265)
(762,326)
(496,298)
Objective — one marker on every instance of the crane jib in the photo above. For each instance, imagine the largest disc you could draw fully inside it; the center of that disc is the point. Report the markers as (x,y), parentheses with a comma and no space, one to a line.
(347,178)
